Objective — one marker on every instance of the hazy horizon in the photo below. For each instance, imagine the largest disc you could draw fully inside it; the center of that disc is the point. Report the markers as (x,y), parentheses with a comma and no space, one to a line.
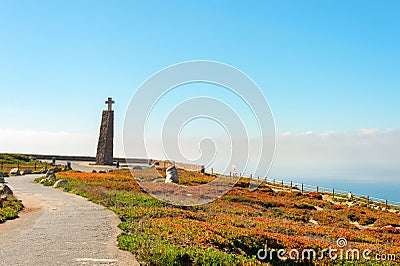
(329,72)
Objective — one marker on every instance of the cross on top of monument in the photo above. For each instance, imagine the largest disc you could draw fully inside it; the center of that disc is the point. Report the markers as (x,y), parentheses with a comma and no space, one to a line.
(110,102)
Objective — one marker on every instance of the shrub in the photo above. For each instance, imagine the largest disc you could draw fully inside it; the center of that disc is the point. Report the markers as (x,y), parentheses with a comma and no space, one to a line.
(304,206)
(315,195)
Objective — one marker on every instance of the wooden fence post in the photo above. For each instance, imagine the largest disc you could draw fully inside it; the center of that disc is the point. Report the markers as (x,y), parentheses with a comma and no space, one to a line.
(333,193)
(212,171)
(302,188)
(291,185)
(282,184)
(317,189)
(386,205)
(251,176)
(18,166)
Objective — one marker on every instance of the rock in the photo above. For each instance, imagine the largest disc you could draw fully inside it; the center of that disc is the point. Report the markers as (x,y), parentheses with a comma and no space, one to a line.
(3,174)
(137,167)
(61,183)
(2,180)
(42,181)
(15,171)
(110,170)
(43,170)
(102,171)
(57,169)
(50,172)
(172,175)
(51,178)
(5,190)
(26,172)
(94,171)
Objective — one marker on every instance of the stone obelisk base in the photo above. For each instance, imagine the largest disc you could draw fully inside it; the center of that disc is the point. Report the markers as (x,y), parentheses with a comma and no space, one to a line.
(106,138)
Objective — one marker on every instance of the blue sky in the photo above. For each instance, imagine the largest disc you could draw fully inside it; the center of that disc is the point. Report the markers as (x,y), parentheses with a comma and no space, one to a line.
(324,66)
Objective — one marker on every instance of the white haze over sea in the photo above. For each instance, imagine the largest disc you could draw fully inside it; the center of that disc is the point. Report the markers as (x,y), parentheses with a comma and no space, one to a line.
(366,161)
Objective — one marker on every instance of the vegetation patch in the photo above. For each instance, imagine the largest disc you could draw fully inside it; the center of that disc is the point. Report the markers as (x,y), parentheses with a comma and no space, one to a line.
(9,161)
(9,208)
(231,230)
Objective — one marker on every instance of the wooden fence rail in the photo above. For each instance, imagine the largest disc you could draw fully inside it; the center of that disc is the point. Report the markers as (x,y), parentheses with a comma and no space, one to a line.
(337,194)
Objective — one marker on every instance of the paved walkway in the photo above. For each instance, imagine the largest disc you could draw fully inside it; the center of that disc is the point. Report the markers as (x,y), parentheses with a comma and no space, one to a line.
(58,228)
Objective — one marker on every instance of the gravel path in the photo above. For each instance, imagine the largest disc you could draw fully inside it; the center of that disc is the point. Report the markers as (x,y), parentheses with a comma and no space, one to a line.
(58,228)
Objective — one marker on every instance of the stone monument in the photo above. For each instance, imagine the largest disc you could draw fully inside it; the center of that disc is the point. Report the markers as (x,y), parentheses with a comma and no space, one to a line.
(105,145)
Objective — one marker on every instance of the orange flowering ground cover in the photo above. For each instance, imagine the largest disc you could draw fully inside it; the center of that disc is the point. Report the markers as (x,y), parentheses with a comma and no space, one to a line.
(231,230)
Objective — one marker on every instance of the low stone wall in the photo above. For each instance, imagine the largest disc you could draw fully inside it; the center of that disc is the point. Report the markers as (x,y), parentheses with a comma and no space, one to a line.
(73,158)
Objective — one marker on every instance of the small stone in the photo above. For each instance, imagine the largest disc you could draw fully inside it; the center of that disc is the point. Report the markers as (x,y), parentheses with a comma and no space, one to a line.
(3,174)
(51,178)
(5,190)
(61,183)
(50,172)
(57,169)
(26,172)
(14,171)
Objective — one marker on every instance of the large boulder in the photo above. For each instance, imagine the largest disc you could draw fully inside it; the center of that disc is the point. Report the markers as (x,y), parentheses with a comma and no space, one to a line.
(172,175)
(60,183)
(15,171)
(5,190)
